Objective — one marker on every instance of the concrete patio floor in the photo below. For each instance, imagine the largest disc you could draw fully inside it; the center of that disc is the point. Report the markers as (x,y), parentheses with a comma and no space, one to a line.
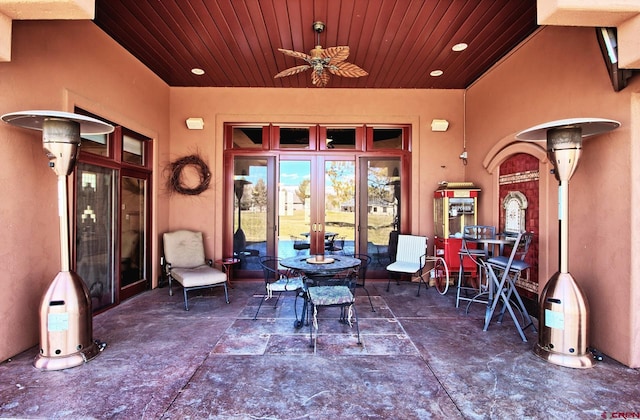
(420,358)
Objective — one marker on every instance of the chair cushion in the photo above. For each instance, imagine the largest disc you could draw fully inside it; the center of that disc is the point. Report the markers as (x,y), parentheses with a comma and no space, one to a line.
(502,262)
(411,248)
(184,248)
(198,276)
(330,295)
(286,284)
(404,267)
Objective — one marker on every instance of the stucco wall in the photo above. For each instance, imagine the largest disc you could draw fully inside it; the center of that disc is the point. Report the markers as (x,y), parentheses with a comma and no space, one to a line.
(559,73)
(57,65)
(435,154)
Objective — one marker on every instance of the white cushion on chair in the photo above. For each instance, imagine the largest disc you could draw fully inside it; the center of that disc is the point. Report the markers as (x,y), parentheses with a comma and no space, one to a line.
(198,276)
(404,267)
(184,248)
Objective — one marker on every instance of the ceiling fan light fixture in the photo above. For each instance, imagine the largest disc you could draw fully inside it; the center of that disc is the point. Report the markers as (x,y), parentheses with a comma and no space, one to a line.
(436,73)
(322,62)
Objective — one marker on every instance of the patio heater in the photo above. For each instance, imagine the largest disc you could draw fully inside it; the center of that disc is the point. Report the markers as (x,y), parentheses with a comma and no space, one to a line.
(66,327)
(239,238)
(564,311)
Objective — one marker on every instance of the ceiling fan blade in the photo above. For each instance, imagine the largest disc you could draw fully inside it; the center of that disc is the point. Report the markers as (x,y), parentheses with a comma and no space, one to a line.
(320,79)
(336,54)
(295,54)
(293,70)
(346,69)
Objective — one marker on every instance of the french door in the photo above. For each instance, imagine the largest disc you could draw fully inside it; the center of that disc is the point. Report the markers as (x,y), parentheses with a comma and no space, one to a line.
(317,202)
(312,189)
(289,204)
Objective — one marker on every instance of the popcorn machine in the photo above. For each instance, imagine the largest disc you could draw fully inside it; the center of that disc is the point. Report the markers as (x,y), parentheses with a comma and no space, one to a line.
(454,207)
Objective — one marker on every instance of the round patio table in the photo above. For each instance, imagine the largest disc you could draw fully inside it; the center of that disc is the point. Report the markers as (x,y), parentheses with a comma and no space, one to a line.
(316,270)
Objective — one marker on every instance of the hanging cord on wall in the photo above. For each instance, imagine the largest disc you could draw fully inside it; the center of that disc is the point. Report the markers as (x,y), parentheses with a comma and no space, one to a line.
(463,155)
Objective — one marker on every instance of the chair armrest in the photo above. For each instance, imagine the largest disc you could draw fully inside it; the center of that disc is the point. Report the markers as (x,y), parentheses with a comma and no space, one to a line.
(166,266)
(423,260)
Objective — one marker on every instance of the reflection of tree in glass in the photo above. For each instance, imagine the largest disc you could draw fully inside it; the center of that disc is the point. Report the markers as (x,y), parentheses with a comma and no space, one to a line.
(303,190)
(340,176)
(245,201)
(259,194)
(379,186)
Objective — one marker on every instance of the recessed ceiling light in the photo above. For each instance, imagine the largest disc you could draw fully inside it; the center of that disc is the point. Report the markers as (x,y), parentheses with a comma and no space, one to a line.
(436,73)
(459,47)
(197,71)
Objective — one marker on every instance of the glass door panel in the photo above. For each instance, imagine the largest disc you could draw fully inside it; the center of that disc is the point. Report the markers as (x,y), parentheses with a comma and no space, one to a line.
(133,217)
(316,206)
(294,208)
(252,223)
(380,209)
(95,228)
(339,206)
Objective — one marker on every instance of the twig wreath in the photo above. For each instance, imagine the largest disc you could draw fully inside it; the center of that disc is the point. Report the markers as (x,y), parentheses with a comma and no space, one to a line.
(176,182)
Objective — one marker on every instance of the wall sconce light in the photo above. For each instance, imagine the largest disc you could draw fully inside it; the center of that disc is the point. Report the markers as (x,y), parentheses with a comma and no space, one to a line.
(439,125)
(195,123)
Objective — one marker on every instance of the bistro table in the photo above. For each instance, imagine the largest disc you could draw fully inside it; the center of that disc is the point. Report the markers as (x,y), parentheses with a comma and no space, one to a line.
(315,270)
(492,247)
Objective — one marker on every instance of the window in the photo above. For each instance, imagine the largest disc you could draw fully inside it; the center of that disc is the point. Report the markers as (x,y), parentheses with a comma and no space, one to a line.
(95,144)
(387,138)
(112,215)
(246,137)
(133,150)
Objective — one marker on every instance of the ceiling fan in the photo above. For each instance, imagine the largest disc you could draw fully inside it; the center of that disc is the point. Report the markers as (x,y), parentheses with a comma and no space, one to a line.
(322,62)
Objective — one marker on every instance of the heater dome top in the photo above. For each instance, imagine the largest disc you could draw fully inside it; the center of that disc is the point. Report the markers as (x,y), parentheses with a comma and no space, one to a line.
(34,119)
(590,127)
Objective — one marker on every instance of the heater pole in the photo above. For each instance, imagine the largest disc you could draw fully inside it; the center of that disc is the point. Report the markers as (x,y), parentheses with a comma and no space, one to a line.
(563,220)
(63,213)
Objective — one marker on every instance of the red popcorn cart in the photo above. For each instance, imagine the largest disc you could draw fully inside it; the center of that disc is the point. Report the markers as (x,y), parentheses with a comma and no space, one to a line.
(454,207)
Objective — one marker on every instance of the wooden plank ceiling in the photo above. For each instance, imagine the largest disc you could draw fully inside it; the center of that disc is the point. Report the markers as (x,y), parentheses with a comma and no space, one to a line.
(398,42)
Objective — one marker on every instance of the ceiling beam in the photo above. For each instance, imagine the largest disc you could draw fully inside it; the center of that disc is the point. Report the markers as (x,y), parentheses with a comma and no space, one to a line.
(629,44)
(5,37)
(623,14)
(586,12)
(41,10)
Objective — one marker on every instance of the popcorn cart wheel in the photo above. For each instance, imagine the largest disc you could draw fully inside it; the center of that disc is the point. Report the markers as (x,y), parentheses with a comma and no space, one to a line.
(438,270)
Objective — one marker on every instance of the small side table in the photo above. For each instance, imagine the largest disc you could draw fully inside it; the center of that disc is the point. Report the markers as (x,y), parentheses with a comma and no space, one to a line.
(227,266)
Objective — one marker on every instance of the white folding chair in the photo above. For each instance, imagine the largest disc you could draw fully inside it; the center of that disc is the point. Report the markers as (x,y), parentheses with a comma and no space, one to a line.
(411,257)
